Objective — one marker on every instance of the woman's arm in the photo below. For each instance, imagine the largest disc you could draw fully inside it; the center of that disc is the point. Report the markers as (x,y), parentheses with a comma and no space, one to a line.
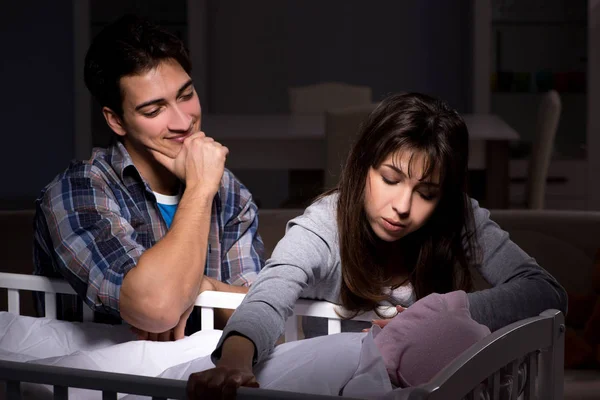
(521,288)
(303,258)
(298,262)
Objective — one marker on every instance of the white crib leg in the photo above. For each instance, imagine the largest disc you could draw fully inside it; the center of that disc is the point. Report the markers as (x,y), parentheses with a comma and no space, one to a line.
(334,326)
(14,305)
(208,318)
(50,307)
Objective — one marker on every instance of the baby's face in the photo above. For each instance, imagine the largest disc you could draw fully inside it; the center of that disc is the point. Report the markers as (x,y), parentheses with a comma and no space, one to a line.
(427,336)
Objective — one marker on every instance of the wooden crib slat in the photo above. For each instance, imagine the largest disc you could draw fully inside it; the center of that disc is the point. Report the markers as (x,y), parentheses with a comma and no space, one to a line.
(106,395)
(476,393)
(470,396)
(13,390)
(494,386)
(514,371)
(14,305)
(207,316)
(532,372)
(334,326)
(61,392)
(50,306)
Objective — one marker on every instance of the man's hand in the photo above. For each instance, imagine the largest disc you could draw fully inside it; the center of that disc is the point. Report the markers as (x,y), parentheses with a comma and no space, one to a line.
(178,332)
(207,284)
(199,163)
(153,337)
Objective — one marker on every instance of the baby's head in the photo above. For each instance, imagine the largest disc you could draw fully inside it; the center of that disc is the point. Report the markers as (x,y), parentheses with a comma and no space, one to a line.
(427,336)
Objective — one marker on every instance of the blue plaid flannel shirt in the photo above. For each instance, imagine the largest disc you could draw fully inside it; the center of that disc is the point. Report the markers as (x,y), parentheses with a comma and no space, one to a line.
(94,221)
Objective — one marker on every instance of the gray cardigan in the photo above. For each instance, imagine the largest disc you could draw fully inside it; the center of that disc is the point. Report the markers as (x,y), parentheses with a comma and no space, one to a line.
(306,263)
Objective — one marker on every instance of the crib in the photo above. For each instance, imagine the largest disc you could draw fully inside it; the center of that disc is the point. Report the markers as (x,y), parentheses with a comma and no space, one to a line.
(531,351)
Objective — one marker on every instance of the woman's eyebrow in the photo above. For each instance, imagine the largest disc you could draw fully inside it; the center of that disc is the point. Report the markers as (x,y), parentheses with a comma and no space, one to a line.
(399,171)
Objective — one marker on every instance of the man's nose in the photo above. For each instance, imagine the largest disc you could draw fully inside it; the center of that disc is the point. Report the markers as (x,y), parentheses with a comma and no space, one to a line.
(179,121)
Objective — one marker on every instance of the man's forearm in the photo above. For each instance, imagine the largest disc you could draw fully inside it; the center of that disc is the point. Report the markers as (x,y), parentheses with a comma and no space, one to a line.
(167,277)
(224,287)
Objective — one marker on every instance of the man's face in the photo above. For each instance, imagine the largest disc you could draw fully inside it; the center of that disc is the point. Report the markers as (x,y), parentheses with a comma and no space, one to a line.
(160,109)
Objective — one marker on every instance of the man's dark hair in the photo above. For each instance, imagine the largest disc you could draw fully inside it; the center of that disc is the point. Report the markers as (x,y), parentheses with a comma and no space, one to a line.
(130,45)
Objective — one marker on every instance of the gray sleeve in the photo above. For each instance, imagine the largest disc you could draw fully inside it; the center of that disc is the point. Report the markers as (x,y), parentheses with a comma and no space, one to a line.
(520,287)
(300,260)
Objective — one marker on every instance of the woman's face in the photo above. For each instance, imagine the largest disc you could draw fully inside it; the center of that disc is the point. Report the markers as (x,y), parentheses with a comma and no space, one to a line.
(397,204)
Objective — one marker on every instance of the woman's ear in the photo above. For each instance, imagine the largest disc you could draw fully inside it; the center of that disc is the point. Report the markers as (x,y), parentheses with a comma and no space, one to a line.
(114,121)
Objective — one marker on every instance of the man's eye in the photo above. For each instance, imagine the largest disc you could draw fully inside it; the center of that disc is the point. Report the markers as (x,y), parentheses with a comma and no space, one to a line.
(152,113)
(188,96)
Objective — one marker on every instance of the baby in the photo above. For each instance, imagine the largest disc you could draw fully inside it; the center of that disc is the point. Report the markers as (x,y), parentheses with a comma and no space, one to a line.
(427,336)
(410,350)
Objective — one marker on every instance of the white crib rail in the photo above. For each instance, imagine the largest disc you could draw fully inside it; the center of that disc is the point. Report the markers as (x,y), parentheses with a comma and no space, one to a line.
(14,283)
(207,301)
(109,383)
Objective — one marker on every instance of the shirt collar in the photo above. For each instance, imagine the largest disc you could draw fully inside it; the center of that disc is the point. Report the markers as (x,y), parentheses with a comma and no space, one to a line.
(123,165)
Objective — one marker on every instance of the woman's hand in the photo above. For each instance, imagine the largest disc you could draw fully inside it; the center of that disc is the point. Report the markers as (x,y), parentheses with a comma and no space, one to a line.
(233,370)
(383,322)
(221,382)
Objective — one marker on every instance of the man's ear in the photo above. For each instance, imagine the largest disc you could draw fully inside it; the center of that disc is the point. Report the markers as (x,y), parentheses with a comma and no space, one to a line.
(114,121)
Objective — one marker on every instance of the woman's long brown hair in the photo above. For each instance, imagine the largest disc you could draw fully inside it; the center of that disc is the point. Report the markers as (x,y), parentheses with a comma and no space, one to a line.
(440,252)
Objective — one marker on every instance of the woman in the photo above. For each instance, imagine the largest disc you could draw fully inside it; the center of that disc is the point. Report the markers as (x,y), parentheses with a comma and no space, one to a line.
(398,228)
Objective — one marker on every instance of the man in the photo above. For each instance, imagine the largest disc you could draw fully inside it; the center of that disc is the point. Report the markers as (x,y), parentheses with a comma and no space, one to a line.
(145,225)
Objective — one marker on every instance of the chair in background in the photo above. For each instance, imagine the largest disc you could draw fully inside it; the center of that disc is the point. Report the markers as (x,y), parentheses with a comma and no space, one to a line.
(341,128)
(542,147)
(318,98)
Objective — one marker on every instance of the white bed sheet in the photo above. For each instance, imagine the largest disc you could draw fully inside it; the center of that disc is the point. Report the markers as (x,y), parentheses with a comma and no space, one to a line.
(100,347)
(347,363)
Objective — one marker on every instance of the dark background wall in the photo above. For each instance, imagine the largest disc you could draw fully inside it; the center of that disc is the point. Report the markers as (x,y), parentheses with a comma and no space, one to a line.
(260,48)
(37,95)
(256,50)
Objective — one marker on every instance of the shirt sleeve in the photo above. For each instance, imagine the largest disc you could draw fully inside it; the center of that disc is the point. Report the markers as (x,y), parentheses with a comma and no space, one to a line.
(90,244)
(521,288)
(301,260)
(243,249)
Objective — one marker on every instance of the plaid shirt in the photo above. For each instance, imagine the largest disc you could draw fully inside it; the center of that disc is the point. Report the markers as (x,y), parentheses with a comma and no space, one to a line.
(94,221)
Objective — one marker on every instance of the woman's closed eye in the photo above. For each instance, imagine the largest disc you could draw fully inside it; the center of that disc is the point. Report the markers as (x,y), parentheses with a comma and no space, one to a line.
(389,181)
(429,196)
